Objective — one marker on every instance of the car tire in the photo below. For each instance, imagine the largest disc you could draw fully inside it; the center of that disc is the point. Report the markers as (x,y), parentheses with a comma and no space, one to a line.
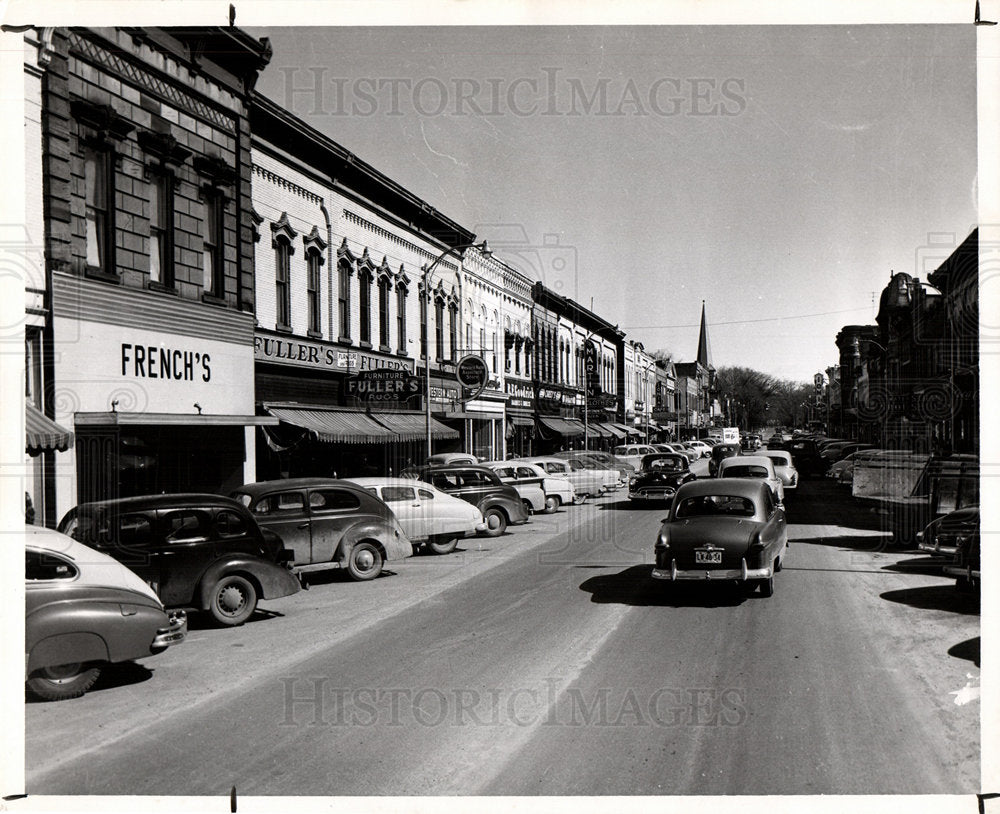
(364,562)
(552,503)
(527,507)
(63,681)
(233,600)
(442,545)
(579,500)
(496,522)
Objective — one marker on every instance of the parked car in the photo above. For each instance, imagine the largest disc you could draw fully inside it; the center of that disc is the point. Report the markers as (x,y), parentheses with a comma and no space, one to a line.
(610,476)
(430,518)
(500,503)
(328,523)
(632,453)
(723,529)
(750,441)
(527,482)
(805,453)
(945,534)
(662,473)
(965,566)
(196,551)
(452,458)
(784,468)
(759,467)
(680,449)
(776,441)
(586,482)
(84,610)
(702,447)
(719,452)
(606,459)
(556,491)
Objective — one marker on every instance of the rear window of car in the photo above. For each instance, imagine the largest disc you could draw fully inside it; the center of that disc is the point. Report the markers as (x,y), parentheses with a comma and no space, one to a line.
(526,472)
(185,525)
(280,502)
(715,505)
(42,566)
(475,478)
(551,466)
(230,524)
(745,471)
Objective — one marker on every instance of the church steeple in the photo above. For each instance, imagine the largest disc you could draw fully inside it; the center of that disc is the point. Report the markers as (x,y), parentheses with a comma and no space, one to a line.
(704,351)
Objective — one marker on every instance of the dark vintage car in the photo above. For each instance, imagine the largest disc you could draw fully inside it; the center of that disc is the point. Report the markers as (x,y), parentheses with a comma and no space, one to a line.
(659,476)
(965,566)
(500,503)
(805,453)
(943,535)
(84,610)
(723,529)
(197,551)
(720,451)
(328,523)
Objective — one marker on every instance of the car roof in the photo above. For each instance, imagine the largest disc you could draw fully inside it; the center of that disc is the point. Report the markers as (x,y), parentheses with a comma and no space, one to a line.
(456,467)
(738,487)
(161,502)
(744,460)
(264,486)
(376,480)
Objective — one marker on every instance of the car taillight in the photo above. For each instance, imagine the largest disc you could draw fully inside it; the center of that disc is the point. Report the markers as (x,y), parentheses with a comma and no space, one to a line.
(662,540)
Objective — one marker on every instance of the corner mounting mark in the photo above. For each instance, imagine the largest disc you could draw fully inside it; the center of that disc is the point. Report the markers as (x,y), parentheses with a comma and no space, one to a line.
(977,20)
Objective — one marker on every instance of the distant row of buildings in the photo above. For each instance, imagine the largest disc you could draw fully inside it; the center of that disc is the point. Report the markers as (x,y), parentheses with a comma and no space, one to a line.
(911,381)
(218,293)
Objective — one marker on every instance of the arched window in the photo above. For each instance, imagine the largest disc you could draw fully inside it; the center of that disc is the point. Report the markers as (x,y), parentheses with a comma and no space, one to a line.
(439,328)
(401,317)
(365,305)
(383,313)
(453,330)
(344,272)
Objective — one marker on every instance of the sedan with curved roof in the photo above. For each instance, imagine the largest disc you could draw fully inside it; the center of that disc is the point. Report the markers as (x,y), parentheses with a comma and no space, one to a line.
(659,477)
(543,492)
(723,529)
(587,481)
(84,610)
(328,523)
(431,518)
(784,468)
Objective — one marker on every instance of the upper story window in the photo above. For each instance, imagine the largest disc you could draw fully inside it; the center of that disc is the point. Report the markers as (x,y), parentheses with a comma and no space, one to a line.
(282,235)
(217,175)
(344,272)
(165,155)
(423,323)
(401,316)
(383,312)
(314,247)
(439,329)
(365,305)
(453,331)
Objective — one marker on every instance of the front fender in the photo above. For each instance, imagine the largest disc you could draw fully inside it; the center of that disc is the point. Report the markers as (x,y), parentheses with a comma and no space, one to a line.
(394,547)
(271,580)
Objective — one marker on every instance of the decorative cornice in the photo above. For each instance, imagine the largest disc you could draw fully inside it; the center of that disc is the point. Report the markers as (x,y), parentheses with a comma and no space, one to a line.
(283,230)
(284,183)
(392,237)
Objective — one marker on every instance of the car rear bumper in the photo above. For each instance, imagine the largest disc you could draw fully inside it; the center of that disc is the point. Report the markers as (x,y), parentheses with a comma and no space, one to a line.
(966,571)
(742,573)
(174,633)
(935,548)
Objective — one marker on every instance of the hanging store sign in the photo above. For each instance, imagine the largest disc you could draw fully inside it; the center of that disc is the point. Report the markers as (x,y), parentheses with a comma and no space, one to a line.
(473,376)
(385,387)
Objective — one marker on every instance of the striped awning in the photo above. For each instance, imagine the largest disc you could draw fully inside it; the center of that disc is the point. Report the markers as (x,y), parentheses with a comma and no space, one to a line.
(413,426)
(592,428)
(617,433)
(42,433)
(627,429)
(335,426)
(560,426)
(520,421)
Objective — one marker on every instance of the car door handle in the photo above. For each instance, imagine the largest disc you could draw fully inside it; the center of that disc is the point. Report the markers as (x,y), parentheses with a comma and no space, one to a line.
(415,505)
(302,526)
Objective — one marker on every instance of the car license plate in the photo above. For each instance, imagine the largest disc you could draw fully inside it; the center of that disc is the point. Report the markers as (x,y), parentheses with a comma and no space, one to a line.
(708,557)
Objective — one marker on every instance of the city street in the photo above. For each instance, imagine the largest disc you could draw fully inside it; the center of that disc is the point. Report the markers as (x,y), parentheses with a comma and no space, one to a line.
(547,662)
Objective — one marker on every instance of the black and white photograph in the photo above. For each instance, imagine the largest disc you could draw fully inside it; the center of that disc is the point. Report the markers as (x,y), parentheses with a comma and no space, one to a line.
(405,404)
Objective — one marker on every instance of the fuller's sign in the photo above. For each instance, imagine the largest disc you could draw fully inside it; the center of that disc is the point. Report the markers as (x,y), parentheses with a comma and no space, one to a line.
(384,386)
(322,355)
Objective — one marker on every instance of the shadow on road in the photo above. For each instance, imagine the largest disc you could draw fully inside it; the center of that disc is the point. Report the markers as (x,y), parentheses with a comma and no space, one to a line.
(819,501)
(627,505)
(203,620)
(930,566)
(969,650)
(851,542)
(635,586)
(935,597)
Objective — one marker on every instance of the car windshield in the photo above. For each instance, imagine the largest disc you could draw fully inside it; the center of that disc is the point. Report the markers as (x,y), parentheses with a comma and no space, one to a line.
(714,506)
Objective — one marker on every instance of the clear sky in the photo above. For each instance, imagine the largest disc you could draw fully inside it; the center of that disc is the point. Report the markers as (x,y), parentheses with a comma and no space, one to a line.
(778,173)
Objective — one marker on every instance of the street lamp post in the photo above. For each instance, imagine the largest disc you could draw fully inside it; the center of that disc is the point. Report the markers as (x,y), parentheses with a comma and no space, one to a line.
(426,277)
(645,395)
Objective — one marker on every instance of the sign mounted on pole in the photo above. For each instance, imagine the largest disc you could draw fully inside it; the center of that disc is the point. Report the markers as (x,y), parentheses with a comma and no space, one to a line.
(473,376)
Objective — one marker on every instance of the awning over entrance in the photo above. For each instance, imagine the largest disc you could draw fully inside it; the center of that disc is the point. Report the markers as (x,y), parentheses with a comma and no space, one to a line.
(592,428)
(413,426)
(478,416)
(335,426)
(42,433)
(626,429)
(560,426)
(114,419)
(617,433)
(520,421)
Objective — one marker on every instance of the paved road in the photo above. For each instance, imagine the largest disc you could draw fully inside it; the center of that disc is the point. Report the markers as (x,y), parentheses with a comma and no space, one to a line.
(546,662)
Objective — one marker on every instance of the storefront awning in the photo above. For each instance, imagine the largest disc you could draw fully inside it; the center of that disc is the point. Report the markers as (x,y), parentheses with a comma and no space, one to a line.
(110,419)
(592,427)
(42,433)
(413,426)
(560,426)
(626,429)
(520,421)
(478,416)
(617,433)
(335,426)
